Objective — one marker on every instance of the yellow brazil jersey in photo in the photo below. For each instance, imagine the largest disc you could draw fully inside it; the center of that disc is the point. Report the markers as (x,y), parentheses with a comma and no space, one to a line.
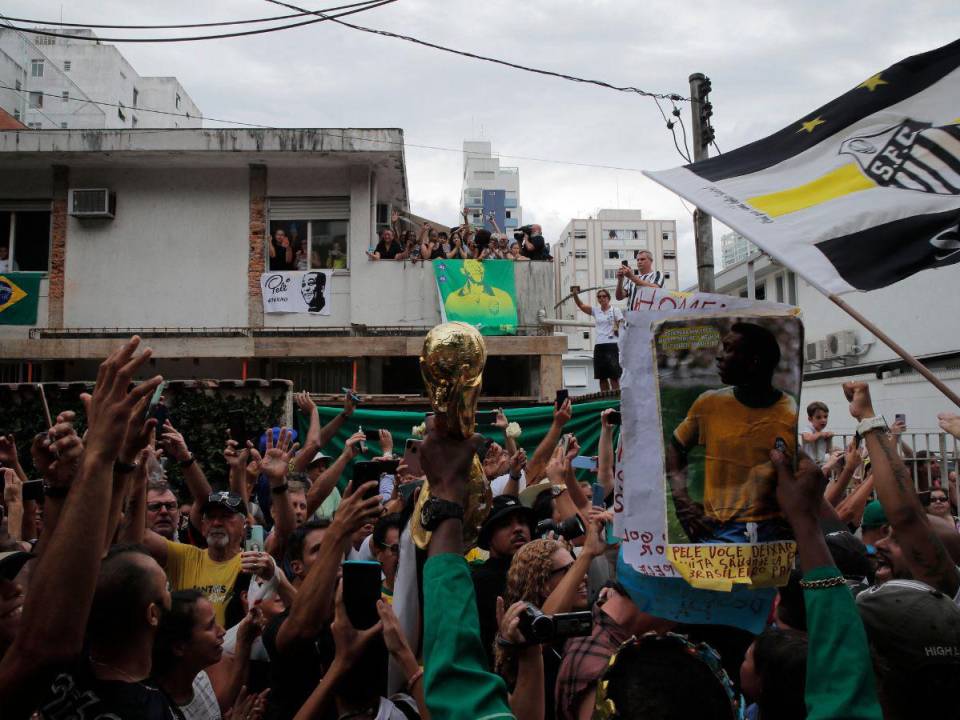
(189,567)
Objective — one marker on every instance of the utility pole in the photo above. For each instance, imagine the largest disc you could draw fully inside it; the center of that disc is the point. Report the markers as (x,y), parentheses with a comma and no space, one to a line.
(701,110)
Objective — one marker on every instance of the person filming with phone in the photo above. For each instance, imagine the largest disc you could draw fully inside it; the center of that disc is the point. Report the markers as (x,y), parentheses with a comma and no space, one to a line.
(630,284)
(606,347)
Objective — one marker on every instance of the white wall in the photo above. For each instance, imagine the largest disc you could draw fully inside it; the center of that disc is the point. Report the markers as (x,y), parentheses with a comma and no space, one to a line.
(175,255)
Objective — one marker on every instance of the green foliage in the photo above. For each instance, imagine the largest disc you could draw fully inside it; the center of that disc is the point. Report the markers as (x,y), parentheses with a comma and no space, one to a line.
(202,417)
(21,415)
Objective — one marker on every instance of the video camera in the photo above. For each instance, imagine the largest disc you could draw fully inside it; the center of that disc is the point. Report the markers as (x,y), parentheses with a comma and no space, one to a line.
(520,232)
(571,528)
(538,628)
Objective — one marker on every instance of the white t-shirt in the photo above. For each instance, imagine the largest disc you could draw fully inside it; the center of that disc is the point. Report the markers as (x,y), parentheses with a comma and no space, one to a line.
(497,485)
(605,323)
(204,705)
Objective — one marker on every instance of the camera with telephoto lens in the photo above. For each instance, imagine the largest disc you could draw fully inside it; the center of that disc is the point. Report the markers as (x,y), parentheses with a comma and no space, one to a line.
(520,232)
(536,627)
(570,529)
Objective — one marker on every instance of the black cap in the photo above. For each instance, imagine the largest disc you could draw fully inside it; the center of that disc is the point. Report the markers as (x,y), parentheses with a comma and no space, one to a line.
(503,507)
(850,555)
(230,501)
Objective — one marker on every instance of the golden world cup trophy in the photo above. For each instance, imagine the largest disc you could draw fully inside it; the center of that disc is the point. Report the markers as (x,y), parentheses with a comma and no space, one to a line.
(451,363)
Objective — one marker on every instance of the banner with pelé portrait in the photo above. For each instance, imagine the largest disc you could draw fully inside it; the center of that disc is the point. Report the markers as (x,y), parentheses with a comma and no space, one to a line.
(479,293)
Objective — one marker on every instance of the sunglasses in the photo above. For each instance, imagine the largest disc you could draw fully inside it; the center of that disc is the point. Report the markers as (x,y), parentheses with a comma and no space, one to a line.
(938,499)
(562,570)
(395,548)
(222,498)
(156,506)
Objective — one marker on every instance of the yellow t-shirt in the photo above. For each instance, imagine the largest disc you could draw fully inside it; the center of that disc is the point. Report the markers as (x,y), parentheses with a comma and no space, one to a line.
(189,567)
(739,479)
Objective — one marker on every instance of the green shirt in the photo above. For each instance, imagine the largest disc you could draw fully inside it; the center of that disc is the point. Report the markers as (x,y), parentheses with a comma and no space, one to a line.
(840,682)
(456,682)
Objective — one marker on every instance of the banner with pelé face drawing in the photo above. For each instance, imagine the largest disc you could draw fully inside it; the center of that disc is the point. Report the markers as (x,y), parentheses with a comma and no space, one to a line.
(479,293)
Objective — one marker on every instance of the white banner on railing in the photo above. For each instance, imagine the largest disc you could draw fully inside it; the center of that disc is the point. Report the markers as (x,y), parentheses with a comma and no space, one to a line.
(296,292)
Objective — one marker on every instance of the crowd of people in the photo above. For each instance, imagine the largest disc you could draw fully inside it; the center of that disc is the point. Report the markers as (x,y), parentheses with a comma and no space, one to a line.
(463,242)
(124,596)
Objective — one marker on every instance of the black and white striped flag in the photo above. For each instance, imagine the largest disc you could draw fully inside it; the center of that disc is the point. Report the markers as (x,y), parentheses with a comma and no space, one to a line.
(862,192)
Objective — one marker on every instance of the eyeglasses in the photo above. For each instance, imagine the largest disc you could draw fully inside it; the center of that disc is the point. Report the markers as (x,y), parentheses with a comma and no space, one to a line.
(561,570)
(395,548)
(156,506)
(937,499)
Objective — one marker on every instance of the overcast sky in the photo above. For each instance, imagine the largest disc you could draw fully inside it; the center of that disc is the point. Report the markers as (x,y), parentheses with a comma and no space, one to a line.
(770,63)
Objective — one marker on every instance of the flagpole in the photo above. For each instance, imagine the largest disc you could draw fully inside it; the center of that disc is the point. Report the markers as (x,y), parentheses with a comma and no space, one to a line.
(890,343)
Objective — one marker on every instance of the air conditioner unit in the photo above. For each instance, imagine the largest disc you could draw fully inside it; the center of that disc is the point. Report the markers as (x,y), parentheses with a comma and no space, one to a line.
(92,203)
(815,351)
(840,344)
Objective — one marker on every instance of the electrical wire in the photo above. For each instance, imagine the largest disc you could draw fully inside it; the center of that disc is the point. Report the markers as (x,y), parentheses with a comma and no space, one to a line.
(683,129)
(716,147)
(220,36)
(670,127)
(342,136)
(182,27)
(515,66)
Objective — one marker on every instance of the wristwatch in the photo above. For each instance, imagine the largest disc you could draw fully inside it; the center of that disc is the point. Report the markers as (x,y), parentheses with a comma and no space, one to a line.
(870,424)
(435,511)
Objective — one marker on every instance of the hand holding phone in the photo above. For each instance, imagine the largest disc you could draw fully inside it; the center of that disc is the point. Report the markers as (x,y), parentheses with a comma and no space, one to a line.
(562,395)
(584,462)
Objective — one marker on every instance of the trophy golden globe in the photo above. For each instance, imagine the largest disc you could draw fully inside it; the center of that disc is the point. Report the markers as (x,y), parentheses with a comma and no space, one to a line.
(451,363)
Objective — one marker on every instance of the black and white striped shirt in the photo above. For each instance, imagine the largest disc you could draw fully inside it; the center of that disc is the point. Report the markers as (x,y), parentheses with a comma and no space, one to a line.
(655,277)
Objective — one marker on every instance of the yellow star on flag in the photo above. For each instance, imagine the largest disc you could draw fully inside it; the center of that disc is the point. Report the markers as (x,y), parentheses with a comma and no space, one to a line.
(872,82)
(811,124)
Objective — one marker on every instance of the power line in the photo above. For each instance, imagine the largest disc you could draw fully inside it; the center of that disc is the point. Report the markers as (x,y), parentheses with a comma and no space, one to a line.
(220,36)
(515,66)
(342,136)
(181,27)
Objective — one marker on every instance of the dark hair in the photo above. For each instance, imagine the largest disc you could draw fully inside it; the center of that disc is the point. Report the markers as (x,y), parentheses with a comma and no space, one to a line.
(780,659)
(392,520)
(817,405)
(175,627)
(663,680)
(233,613)
(543,506)
(297,538)
(124,590)
(762,342)
(791,608)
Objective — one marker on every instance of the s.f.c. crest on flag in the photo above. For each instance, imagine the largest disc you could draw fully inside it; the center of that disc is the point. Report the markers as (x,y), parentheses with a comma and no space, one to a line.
(861,192)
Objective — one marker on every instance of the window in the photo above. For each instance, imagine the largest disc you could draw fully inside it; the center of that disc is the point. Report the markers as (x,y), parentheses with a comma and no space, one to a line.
(613,254)
(26,235)
(580,234)
(16,113)
(66,65)
(791,288)
(508,215)
(120,113)
(669,255)
(36,68)
(779,284)
(582,254)
(36,100)
(666,275)
(666,237)
(63,126)
(609,274)
(65,96)
(326,240)
(484,174)
(177,101)
(761,291)
(34,125)
(18,85)
(136,96)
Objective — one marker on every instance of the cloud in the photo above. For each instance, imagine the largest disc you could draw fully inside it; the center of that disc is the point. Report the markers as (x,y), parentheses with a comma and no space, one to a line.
(770,63)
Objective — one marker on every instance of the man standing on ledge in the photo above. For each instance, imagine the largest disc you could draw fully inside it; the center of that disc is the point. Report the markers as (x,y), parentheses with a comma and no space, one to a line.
(645,276)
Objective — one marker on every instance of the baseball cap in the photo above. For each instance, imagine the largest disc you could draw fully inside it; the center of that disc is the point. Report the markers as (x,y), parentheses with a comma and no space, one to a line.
(850,555)
(874,516)
(911,624)
(318,457)
(12,561)
(230,501)
(503,506)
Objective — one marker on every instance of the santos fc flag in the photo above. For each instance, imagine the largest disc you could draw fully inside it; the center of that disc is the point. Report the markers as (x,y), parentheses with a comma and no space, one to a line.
(858,194)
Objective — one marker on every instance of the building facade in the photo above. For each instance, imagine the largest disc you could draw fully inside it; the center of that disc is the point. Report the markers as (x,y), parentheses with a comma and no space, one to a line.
(57,83)
(838,349)
(588,253)
(735,248)
(181,260)
(482,172)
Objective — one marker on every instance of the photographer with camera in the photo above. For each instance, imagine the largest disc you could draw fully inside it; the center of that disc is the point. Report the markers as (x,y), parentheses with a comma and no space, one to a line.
(532,244)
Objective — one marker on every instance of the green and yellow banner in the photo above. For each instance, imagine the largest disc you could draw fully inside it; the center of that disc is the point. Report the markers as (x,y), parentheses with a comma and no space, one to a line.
(478,293)
(19,293)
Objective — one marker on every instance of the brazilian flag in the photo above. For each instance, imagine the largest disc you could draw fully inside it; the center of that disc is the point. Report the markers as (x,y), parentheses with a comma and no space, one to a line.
(19,293)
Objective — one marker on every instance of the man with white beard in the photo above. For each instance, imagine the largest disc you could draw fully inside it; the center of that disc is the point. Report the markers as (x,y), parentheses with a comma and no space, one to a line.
(213,571)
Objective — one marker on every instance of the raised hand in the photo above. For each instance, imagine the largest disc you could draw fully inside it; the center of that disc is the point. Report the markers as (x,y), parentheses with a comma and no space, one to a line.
(276,460)
(386,442)
(355,511)
(799,493)
(257,563)
(508,622)
(173,443)
(562,414)
(111,404)
(12,488)
(949,422)
(353,445)
(501,421)
(446,460)
(349,405)
(62,449)
(304,402)
(8,451)
(349,641)
(858,395)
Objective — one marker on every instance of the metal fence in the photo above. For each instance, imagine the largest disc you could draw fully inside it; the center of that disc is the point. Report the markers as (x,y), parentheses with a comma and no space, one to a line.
(930,456)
